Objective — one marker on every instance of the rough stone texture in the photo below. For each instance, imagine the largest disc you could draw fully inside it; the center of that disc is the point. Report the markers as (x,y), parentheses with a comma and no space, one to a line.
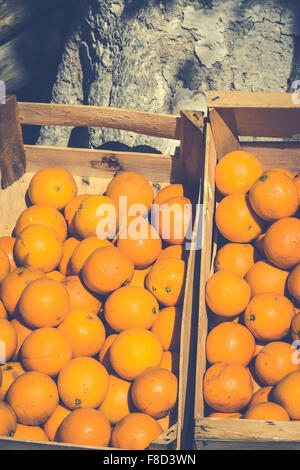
(163,56)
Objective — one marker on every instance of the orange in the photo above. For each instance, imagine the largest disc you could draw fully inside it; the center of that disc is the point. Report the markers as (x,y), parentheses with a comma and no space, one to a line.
(267,411)
(135,432)
(287,394)
(154,392)
(55,275)
(214,320)
(275,361)
(8,420)
(230,342)
(31,433)
(85,427)
(295,327)
(68,249)
(264,278)
(236,172)
(10,371)
(105,351)
(22,332)
(261,396)
(33,396)
(38,214)
(173,220)
(96,215)
(44,302)
(4,265)
(39,246)
(8,340)
(83,383)
(236,220)
(131,307)
(85,331)
(71,208)
(166,280)
(83,250)
(117,403)
(140,242)
(259,243)
(139,277)
(274,196)
(106,270)
(296,181)
(170,361)
(227,387)
(282,243)
(46,350)
(134,351)
(167,327)
(52,187)
(3,312)
(168,421)
(80,296)
(269,316)
(236,257)
(7,244)
(172,190)
(217,414)
(285,171)
(51,426)
(255,382)
(227,294)
(173,251)
(135,190)
(293,283)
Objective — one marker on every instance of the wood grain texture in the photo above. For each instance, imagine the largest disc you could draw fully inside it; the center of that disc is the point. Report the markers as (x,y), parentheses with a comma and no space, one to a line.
(191,144)
(157,125)
(12,154)
(224,130)
(244,99)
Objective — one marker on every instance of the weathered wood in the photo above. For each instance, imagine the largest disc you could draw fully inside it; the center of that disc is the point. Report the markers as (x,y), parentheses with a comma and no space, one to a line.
(158,125)
(224,131)
(191,144)
(244,99)
(276,154)
(12,154)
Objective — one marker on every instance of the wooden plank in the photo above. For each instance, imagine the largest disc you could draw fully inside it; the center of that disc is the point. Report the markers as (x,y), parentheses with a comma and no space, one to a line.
(242,445)
(103,163)
(12,155)
(244,99)
(165,441)
(191,144)
(153,124)
(224,131)
(276,154)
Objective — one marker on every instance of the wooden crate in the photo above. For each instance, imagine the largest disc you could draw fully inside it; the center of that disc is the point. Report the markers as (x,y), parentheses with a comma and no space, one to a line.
(234,119)
(93,169)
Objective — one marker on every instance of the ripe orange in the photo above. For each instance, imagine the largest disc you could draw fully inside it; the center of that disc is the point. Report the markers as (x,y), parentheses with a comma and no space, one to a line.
(134,351)
(44,302)
(14,284)
(259,243)
(295,327)
(236,220)
(236,257)
(33,396)
(31,433)
(274,196)
(227,387)
(140,242)
(71,208)
(296,181)
(46,350)
(264,278)
(135,432)
(86,427)
(4,265)
(170,361)
(139,277)
(55,275)
(154,392)
(287,394)
(52,187)
(96,215)
(236,172)
(172,190)
(8,420)
(230,342)
(267,411)
(106,270)
(7,244)
(269,316)
(173,251)
(293,283)
(51,426)
(275,361)
(227,294)
(22,332)
(166,280)
(10,371)
(261,396)
(85,331)
(173,219)
(3,312)
(80,296)
(8,340)
(83,250)
(167,327)
(168,421)
(217,414)
(282,243)
(38,246)
(105,351)
(38,214)
(117,403)
(68,249)
(83,383)
(131,307)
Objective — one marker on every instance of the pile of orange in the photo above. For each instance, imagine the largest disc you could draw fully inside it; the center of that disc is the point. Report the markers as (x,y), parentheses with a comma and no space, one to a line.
(89,321)
(253,297)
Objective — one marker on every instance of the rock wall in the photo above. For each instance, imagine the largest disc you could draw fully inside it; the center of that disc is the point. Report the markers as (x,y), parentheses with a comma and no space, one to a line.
(163,56)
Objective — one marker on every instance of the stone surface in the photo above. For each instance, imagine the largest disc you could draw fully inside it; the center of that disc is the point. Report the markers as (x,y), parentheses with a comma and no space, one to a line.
(163,56)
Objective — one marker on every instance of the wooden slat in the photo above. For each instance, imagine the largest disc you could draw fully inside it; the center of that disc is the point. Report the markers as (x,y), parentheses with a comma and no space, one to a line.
(157,125)
(224,131)
(191,144)
(103,163)
(276,154)
(242,99)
